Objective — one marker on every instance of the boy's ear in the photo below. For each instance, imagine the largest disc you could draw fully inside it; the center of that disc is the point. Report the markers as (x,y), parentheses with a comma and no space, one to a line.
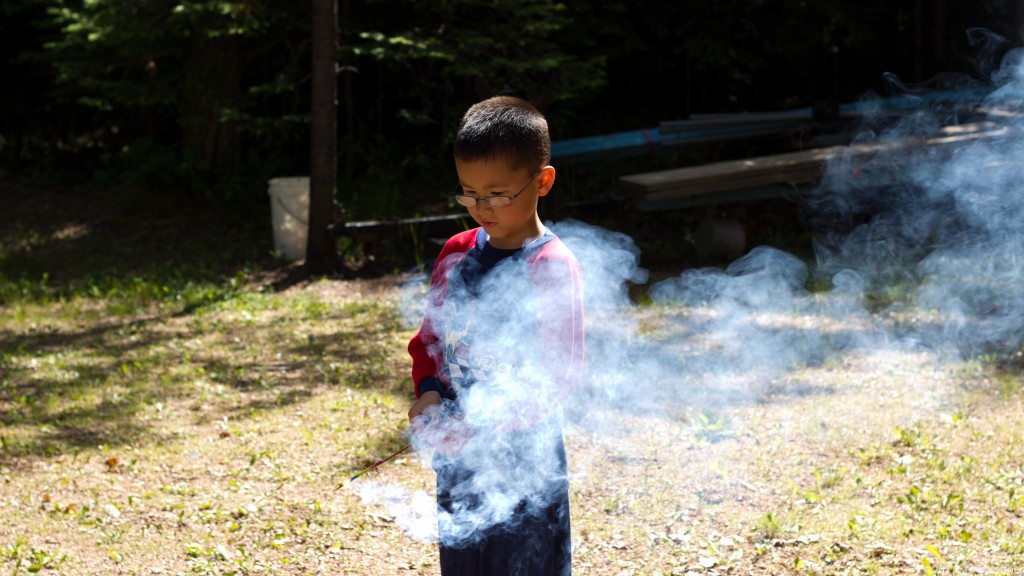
(546,179)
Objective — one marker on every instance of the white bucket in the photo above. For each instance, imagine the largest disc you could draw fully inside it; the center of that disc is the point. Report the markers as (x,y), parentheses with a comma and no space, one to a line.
(289,211)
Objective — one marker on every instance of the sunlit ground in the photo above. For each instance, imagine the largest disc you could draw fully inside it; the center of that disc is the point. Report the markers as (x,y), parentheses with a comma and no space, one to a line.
(206,434)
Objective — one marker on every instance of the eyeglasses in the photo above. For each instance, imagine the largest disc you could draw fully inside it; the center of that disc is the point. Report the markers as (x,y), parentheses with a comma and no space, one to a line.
(492,201)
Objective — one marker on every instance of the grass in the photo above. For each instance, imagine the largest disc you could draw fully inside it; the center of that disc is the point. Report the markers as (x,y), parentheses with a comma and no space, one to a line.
(195,418)
(205,441)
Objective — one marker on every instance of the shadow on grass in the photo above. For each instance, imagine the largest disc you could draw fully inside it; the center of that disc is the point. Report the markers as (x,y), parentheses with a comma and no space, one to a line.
(151,262)
(94,336)
(117,376)
(82,238)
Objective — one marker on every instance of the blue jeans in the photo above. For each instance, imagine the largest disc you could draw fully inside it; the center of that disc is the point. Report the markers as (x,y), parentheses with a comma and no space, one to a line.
(506,512)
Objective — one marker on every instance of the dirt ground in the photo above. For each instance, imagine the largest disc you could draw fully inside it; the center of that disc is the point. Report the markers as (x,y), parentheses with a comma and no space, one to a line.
(874,463)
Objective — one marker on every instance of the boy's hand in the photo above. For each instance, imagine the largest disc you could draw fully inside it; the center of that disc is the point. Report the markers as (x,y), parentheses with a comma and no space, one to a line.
(446,434)
(426,400)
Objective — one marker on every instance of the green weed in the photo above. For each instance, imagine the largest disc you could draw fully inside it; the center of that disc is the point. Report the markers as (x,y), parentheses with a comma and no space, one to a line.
(768,527)
(707,427)
(26,559)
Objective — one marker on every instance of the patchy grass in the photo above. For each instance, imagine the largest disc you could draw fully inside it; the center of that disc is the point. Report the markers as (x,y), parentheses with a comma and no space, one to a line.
(199,442)
(175,422)
(210,442)
(872,479)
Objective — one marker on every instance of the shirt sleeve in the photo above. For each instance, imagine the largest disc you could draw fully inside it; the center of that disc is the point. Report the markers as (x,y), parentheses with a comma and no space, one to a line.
(426,347)
(558,285)
(560,331)
(431,384)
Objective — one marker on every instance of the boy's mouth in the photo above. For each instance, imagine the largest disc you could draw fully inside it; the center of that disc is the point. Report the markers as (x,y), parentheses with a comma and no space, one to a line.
(487,223)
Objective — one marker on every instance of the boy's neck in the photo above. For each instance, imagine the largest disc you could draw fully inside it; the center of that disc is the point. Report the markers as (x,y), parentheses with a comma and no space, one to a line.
(506,246)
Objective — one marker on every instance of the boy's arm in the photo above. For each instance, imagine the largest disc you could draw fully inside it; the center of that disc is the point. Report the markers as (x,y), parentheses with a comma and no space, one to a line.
(425,348)
(422,348)
(560,327)
(558,284)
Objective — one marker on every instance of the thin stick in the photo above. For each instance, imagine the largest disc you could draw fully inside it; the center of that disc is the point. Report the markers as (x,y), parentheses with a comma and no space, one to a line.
(368,468)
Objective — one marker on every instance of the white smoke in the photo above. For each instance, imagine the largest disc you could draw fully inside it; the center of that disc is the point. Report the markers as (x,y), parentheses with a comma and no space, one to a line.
(415,512)
(928,221)
(941,216)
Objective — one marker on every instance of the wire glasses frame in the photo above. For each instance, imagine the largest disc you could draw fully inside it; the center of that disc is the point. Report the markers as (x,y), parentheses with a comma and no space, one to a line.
(492,201)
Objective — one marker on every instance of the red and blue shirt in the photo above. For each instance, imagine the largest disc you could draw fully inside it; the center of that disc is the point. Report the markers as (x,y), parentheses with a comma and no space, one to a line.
(510,318)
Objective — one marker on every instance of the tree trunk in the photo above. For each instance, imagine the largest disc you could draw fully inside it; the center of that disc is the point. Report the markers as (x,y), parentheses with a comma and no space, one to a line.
(918,41)
(321,253)
(212,82)
(939,37)
(350,109)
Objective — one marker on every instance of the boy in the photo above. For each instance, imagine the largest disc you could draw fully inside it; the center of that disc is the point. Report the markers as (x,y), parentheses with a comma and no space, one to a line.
(499,350)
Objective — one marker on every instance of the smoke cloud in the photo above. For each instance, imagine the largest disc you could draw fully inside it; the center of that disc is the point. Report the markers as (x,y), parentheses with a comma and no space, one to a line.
(941,219)
(922,219)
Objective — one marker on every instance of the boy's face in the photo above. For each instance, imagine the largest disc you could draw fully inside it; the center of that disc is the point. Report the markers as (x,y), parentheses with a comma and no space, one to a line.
(507,226)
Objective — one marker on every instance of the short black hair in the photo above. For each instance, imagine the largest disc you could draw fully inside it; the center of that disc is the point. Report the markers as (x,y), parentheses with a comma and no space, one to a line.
(504,127)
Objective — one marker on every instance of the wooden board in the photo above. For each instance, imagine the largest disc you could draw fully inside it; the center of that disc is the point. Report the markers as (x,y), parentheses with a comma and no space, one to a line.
(769,172)
(789,168)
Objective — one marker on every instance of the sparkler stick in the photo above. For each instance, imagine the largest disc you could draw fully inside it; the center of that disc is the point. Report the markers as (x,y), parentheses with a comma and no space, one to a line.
(372,467)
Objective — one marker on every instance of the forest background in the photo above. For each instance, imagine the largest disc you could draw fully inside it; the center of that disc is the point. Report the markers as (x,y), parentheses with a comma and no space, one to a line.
(203,98)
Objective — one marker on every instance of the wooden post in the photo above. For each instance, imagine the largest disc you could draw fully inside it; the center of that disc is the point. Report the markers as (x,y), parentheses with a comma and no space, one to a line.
(918,41)
(940,36)
(350,109)
(321,254)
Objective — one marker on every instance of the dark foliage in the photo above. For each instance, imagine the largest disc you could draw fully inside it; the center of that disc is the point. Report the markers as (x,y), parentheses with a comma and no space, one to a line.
(211,98)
